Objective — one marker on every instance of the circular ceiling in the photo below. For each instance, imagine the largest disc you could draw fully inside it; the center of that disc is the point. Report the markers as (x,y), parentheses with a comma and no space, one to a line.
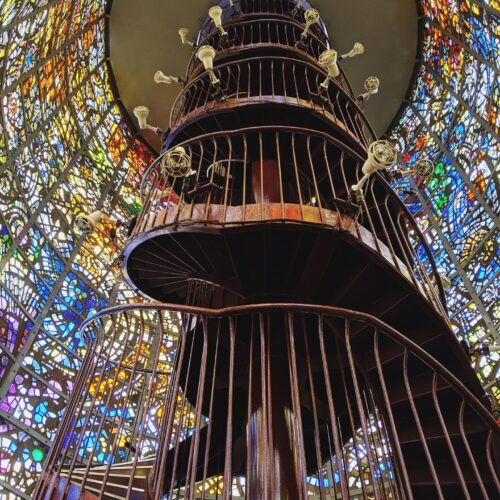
(143,38)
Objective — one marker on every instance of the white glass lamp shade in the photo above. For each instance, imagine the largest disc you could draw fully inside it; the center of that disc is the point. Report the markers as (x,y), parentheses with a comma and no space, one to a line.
(84,224)
(142,113)
(215,14)
(183,33)
(355,51)
(328,59)
(381,155)
(160,77)
(206,54)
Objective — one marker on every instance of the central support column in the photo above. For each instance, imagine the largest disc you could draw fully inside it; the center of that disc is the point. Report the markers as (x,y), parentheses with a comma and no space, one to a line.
(273,462)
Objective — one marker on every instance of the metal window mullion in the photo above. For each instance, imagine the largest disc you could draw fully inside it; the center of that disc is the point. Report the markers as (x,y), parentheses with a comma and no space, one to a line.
(461,309)
(82,277)
(25,428)
(479,246)
(451,90)
(31,266)
(6,90)
(466,47)
(40,379)
(488,283)
(12,489)
(487,208)
(27,347)
(481,4)
(465,279)
(13,156)
(49,195)
(29,316)
(55,291)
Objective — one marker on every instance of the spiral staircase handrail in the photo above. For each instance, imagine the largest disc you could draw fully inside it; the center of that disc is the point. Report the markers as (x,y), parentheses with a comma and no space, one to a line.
(381,177)
(393,334)
(248,17)
(312,64)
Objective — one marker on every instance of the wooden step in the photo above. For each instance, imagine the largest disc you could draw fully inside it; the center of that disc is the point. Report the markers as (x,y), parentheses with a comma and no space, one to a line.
(73,492)
(117,482)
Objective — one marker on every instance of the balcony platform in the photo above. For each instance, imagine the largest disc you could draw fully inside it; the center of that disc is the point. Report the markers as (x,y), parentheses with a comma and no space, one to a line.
(276,250)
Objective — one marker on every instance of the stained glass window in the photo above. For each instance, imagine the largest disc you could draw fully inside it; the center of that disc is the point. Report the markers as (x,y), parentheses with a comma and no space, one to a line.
(66,149)
(453,118)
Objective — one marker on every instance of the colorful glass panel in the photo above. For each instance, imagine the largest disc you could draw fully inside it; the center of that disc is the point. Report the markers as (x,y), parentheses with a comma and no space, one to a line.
(65,149)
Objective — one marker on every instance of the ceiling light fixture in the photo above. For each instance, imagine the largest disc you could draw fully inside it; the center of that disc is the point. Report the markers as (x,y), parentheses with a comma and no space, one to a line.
(206,54)
(381,155)
(183,33)
(372,86)
(423,168)
(176,163)
(355,51)
(328,59)
(215,13)
(160,77)
(85,224)
(311,17)
(142,113)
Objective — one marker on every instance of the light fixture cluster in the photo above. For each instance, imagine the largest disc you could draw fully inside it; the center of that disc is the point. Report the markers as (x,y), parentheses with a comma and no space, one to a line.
(382,155)
(206,54)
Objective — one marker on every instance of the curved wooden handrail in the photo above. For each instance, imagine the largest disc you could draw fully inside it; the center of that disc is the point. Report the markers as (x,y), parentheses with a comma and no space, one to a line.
(398,337)
(233,66)
(379,178)
(339,337)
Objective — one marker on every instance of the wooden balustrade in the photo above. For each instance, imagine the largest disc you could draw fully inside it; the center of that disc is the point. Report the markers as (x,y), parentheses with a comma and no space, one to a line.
(288,174)
(267,80)
(172,399)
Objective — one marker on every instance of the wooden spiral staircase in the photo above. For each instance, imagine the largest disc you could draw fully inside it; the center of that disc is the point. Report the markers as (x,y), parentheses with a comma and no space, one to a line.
(299,343)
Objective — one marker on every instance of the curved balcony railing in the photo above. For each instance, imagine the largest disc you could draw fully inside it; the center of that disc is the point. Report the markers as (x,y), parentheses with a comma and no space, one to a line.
(254,33)
(261,8)
(278,80)
(285,173)
(179,402)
